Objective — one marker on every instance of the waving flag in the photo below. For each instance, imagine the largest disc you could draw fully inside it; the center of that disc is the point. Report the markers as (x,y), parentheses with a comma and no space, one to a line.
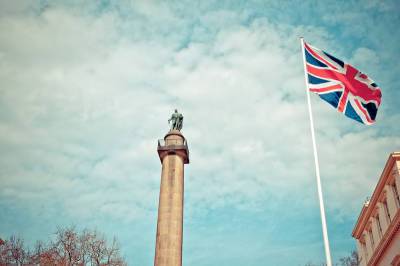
(341,85)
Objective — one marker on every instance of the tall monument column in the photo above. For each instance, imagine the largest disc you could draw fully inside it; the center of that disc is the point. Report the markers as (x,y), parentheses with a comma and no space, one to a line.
(174,153)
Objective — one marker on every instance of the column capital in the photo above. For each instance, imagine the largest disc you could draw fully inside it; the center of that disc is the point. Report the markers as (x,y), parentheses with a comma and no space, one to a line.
(173,143)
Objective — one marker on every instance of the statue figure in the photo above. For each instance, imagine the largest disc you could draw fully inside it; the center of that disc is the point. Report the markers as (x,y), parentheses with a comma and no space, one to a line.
(176,120)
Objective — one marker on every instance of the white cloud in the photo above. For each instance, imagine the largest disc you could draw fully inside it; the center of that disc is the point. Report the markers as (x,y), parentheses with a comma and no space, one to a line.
(81,86)
(364,57)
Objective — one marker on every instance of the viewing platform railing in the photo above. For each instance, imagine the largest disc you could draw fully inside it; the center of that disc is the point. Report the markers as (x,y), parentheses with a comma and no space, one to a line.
(173,146)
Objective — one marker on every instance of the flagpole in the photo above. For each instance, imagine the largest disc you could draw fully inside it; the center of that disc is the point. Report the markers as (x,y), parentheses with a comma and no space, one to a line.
(321,201)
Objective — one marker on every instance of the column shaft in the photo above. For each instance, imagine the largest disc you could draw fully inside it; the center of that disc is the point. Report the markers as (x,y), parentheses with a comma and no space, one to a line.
(170,213)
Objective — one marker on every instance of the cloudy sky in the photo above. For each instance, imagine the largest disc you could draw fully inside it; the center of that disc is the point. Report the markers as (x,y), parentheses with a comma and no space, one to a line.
(86,89)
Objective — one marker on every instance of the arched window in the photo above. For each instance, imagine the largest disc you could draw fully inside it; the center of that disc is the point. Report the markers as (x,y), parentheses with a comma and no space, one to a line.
(378,222)
(386,209)
(396,194)
(371,236)
(364,246)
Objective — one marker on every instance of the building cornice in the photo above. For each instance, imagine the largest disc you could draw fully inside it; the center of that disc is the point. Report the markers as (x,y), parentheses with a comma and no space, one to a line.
(367,210)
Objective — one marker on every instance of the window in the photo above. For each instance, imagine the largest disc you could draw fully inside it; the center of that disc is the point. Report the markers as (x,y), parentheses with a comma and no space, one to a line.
(396,195)
(364,247)
(378,222)
(387,211)
(372,238)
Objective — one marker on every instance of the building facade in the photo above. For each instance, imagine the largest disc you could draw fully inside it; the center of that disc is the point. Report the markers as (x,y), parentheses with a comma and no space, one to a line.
(377,230)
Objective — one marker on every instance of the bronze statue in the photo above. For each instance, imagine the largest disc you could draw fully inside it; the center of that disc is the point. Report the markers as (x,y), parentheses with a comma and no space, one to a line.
(176,121)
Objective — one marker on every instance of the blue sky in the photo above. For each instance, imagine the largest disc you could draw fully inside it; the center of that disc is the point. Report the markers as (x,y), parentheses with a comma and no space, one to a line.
(86,90)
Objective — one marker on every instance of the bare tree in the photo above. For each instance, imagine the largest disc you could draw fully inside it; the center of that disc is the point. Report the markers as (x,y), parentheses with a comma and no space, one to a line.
(112,253)
(88,247)
(67,245)
(312,264)
(5,257)
(84,243)
(38,249)
(98,248)
(16,250)
(69,248)
(352,260)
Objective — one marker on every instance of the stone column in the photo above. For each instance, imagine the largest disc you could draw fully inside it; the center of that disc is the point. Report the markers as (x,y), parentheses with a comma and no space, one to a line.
(391,201)
(397,166)
(173,153)
(396,173)
(368,243)
(375,230)
(361,253)
(383,217)
(397,180)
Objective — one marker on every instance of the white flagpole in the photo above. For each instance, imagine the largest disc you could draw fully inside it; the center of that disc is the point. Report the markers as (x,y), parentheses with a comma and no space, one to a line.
(321,201)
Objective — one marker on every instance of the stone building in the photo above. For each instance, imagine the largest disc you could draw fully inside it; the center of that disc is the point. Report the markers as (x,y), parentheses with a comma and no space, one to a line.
(377,230)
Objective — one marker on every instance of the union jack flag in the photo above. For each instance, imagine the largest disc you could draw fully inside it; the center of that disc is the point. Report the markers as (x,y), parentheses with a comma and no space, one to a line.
(341,85)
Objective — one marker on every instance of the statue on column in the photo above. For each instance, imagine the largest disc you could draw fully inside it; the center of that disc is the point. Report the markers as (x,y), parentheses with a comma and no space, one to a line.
(176,121)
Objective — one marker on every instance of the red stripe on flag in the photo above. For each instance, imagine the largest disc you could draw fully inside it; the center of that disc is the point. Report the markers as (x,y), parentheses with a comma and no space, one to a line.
(343,100)
(326,89)
(324,73)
